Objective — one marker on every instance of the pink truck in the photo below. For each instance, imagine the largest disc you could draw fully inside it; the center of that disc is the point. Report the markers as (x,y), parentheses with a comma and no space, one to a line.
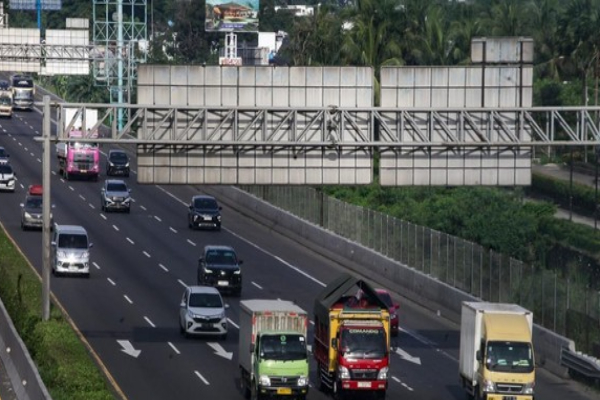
(79,158)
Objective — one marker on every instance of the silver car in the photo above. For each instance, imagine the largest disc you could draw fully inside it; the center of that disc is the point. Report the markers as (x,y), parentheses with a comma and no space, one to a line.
(71,250)
(115,195)
(202,312)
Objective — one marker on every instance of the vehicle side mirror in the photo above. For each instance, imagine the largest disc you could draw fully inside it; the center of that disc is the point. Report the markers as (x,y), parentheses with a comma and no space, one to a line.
(478,355)
(22,205)
(91,245)
(396,305)
(334,343)
(129,190)
(182,305)
(52,243)
(102,190)
(251,347)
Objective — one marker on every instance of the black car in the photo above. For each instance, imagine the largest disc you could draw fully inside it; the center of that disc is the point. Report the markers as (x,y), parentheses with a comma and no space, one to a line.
(219,266)
(204,212)
(117,163)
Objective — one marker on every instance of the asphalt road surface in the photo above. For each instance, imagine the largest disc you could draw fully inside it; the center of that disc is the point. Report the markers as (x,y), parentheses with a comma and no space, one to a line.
(142,261)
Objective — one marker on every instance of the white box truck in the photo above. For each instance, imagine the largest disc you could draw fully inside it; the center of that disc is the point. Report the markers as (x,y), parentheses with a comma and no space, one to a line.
(272,351)
(496,351)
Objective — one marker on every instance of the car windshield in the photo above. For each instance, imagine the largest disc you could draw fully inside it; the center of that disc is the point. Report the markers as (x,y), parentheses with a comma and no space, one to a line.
(387,299)
(118,156)
(116,187)
(283,347)
(205,204)
(72,241)
(5,100)
(5,169)
(222,257)
(205,300)
(34,202)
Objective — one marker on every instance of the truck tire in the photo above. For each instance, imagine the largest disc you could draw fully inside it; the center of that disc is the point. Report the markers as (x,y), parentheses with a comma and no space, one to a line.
(254,395)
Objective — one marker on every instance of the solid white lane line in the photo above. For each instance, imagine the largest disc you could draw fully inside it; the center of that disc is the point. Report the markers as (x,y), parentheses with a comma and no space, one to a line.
(150,322)
(111,281)
(201,377)
(256,284)
(128,299)
(163,267)
(174,348)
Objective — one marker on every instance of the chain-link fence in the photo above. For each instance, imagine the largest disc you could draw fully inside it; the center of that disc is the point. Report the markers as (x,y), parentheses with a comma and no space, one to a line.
(566,306)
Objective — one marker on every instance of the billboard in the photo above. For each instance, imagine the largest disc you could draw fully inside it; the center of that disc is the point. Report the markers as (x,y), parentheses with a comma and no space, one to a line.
(52,5)
(232,16)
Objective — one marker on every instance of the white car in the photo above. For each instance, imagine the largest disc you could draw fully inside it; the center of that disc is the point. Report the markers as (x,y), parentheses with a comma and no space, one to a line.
(202,312)
(8,178)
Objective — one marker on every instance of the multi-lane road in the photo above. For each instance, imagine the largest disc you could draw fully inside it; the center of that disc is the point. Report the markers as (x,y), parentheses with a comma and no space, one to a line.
(141,262)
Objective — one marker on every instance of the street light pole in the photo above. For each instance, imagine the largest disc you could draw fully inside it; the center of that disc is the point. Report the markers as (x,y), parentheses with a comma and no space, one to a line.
(46,206)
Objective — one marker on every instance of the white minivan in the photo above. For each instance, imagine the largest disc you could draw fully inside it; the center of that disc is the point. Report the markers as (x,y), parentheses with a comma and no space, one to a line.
(70,250)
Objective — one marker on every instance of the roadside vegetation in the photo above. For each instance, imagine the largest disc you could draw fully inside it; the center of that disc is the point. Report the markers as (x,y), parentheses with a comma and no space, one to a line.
(63,361)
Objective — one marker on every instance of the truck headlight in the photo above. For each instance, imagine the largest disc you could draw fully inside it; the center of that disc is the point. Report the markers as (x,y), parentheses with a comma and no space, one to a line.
(528,388)
(264,380)
(383,374)
(237,271)
(489,386)
(218,218)
(303,381)
(207,271)
(344,373)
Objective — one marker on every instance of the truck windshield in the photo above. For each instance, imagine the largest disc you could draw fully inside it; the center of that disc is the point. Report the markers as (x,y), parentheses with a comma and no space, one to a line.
(509,357)
(283,347)
(363,342)
(81,146)
(23,94)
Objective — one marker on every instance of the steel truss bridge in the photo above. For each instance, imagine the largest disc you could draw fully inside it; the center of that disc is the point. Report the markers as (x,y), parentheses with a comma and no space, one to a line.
(307,129)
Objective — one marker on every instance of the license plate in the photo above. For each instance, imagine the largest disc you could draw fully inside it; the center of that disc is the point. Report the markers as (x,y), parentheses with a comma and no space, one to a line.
(208,218)
(206,325)
(83,171)
(364,384)
(284,391)
(223,283)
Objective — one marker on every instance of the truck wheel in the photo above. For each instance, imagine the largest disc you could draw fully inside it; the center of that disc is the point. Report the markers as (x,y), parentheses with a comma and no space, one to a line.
(254,395)
(338,393)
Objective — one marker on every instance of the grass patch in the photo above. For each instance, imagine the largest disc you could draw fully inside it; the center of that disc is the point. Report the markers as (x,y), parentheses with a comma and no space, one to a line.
(66,367)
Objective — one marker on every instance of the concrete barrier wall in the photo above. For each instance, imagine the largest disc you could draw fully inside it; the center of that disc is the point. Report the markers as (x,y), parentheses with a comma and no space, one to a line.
(419,287)
(21,370)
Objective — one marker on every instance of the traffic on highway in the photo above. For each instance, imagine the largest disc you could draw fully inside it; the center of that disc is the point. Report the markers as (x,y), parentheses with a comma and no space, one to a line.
(166,300)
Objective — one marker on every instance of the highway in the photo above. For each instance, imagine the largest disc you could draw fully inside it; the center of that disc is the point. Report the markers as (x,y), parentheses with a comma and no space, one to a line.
(143,260)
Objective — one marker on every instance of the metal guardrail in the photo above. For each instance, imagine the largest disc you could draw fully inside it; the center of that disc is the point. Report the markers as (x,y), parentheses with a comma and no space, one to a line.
(581,363)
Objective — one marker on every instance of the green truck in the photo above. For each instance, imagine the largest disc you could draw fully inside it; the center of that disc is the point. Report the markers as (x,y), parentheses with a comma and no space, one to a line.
(273,356)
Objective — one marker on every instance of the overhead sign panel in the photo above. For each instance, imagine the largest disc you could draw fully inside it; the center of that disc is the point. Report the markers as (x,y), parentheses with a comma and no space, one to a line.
(51,5)
(67,52)
(232,16)
(20,50)
(294,153)
(417,90)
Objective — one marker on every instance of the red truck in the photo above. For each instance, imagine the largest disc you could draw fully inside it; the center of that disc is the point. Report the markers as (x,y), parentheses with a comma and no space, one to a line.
(352,339)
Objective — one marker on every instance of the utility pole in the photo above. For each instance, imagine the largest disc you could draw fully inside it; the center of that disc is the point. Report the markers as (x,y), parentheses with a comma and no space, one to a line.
(46,220)
(120,62)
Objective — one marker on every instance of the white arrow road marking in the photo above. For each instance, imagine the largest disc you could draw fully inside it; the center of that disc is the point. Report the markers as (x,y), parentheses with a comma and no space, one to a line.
(405,356)
(220,351)
(128,349)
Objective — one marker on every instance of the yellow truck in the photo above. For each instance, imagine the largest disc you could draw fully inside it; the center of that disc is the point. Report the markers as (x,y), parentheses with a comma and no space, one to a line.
(496,351)
(351,340)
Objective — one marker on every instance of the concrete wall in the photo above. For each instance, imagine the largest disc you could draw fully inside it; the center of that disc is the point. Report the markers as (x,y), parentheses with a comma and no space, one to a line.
(411,283)
(21,370)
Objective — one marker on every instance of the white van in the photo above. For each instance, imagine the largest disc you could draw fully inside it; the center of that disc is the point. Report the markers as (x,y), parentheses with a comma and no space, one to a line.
(70,250)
